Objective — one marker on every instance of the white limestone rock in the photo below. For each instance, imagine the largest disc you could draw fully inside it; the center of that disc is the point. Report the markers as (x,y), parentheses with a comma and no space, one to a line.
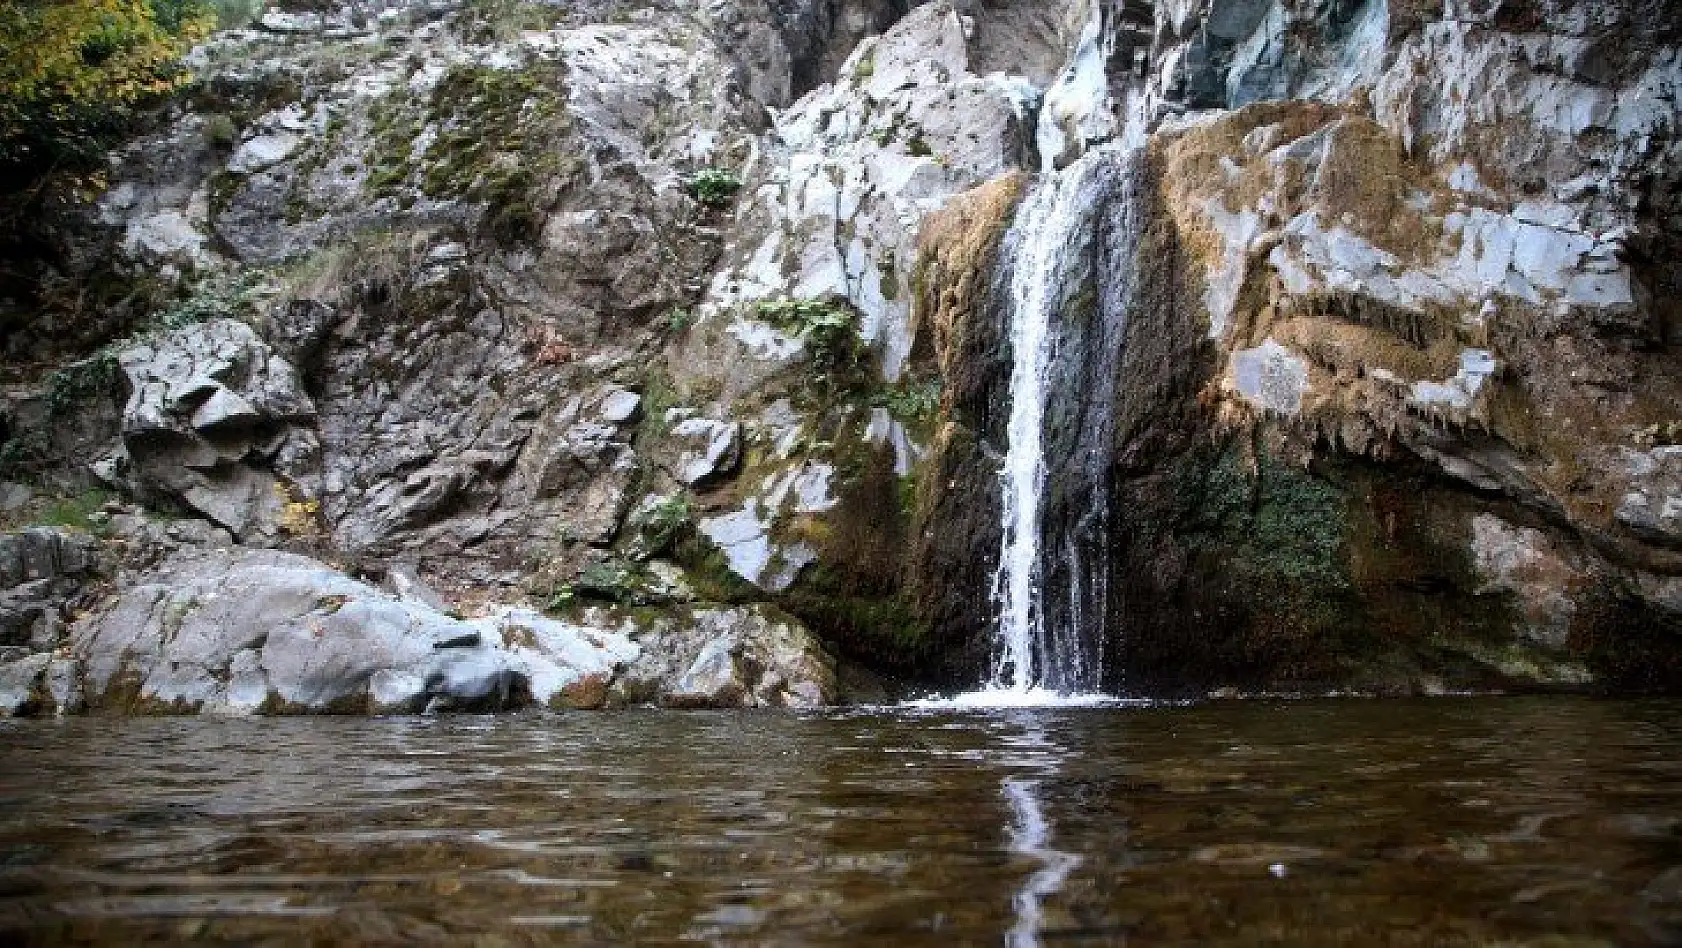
(745,537)
(1459,392)
(243,631)
(1271,377)
(263,151)
(712,449)
(853,169)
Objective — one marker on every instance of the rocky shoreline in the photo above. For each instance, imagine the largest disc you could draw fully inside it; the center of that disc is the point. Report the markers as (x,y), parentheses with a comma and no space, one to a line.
(266,632)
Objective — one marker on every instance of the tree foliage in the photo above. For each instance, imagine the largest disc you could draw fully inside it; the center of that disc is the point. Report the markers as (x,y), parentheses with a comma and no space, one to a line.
(72,72)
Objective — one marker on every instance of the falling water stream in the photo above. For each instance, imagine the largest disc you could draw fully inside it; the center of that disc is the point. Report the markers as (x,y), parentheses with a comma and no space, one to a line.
(1063,304)
(1050,636)
(1035,655)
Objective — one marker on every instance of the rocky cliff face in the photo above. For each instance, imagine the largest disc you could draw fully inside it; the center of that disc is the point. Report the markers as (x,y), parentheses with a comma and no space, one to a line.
(655,310)
(1429,254)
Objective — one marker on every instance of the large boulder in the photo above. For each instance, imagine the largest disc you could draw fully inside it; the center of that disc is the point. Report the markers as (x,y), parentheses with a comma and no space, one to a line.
(243,632)
(215,418)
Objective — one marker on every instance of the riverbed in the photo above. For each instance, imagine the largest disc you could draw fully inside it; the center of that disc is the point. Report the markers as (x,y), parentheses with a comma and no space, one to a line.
(1433,822)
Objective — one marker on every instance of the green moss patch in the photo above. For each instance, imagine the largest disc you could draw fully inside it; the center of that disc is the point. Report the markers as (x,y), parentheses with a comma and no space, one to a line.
(500,138)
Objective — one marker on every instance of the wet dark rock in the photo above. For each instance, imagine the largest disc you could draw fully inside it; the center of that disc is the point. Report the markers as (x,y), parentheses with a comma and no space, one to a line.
(470,640)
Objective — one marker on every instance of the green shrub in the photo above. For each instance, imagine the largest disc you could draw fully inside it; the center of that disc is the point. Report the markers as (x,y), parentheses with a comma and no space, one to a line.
(220,132)
(81,380)
(715,187)
(910,403)
(235,14)
(502,21)
(23,454)
(660,527)
(72,73)
(677,319)
(829,331)
(609,581)
(208,299)
(561,599)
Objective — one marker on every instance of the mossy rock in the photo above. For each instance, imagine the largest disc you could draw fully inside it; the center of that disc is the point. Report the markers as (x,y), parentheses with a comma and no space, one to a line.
(501,139)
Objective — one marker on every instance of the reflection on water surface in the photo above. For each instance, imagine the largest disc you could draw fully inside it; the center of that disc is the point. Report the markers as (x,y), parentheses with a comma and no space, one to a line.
(1030,834)
(1541,822)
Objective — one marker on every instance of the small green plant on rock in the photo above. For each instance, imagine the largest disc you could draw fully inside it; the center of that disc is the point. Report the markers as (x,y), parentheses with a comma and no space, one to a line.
(829,331)
(79,381)
(611,581)
(502,21)
(561,599)
(76,513)
(220,132)
(911,402)
(660,527)
(865,68)
(677,319)
(208,299)
(24,454)
(715,187)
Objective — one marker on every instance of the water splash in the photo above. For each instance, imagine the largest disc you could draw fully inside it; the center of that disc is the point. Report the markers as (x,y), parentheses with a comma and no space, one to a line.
(999,699)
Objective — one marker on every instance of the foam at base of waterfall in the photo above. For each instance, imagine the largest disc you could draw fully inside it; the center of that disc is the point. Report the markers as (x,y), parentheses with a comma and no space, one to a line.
(1002,698)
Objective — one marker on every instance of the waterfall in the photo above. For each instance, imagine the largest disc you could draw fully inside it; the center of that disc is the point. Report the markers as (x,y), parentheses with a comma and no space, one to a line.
(1044,265)
(1068,278)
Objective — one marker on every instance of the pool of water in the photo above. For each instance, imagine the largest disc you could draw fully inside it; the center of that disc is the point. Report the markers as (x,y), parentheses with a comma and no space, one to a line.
(1454,821)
